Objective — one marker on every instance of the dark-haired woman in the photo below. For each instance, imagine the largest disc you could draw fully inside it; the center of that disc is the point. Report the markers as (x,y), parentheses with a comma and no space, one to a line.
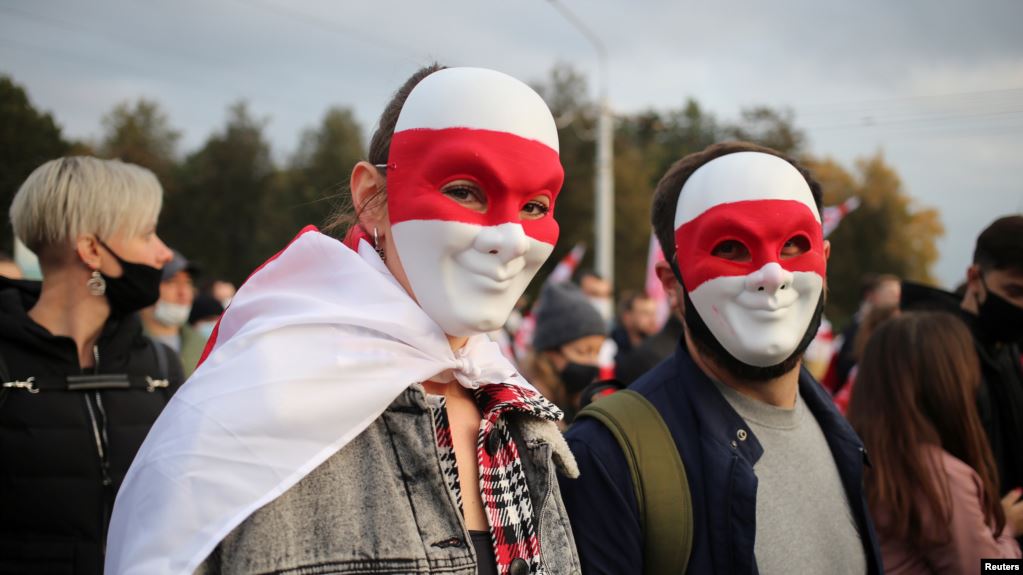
(932,487)
(350,415)
(875,316)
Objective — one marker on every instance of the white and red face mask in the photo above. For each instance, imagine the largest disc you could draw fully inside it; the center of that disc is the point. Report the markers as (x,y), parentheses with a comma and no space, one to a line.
(467,268)
(750,251)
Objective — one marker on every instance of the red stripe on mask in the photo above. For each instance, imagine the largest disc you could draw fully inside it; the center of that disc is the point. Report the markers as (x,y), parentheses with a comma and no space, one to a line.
(762,226)
(511,171)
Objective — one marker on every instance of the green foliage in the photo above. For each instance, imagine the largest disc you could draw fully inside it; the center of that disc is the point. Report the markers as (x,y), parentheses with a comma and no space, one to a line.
(887,234)
(646,145)
(316,184)
(565,93)
(28,138)
(775,129)
(140,133)
(223,216)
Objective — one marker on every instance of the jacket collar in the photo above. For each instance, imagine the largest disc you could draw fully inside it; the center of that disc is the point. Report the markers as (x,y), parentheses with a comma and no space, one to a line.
(720,423)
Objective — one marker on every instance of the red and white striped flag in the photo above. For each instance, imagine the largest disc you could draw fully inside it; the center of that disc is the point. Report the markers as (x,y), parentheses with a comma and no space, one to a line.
(833,214)
(567,266)
(653,286)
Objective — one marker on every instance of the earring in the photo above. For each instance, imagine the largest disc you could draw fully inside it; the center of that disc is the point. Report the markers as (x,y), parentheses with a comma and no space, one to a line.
(96,284)
(379,248)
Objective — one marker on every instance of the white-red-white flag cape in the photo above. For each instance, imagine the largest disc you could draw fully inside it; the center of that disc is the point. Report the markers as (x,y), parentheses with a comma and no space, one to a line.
(314,347)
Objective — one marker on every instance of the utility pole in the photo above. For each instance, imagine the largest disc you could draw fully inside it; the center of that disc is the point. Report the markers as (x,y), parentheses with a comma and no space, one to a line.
(604,222)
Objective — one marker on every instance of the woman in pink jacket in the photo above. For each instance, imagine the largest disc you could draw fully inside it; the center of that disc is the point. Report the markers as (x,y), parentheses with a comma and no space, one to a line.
(932,486)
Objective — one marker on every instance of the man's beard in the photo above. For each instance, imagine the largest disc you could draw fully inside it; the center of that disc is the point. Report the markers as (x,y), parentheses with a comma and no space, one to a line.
(711,348)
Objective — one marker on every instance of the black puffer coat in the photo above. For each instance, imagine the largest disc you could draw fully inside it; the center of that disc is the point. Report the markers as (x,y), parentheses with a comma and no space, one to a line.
(64,453)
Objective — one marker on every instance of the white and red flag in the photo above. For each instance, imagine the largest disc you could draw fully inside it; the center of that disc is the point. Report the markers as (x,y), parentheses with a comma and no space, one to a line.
(833,215)
(566,267)
(653,286)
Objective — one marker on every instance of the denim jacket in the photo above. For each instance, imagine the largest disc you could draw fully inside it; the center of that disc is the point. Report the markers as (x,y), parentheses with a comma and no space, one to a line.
(382,505)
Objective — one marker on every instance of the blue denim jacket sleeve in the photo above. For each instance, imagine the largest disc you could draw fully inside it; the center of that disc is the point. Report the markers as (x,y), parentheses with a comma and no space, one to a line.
(601,503)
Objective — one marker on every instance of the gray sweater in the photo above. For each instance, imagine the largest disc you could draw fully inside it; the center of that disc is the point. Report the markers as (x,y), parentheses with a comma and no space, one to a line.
(804,522)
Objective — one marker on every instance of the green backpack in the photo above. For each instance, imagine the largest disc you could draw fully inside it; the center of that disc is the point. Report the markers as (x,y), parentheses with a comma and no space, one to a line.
(658,476)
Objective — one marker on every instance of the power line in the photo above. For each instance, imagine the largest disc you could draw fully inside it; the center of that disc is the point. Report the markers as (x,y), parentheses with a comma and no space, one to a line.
(963,97)
(407,53)
(921,119)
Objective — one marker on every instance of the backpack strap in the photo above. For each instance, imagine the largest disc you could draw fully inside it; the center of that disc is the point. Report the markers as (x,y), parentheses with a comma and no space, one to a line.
(658,477)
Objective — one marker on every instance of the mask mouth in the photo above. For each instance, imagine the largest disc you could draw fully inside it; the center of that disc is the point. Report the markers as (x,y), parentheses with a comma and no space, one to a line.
(767,305)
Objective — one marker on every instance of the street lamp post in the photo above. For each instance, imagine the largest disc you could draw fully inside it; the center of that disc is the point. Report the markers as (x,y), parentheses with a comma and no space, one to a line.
(604,223)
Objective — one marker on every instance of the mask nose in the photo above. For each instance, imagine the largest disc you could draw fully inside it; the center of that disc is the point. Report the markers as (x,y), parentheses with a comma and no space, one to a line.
(506,241)
(769,279)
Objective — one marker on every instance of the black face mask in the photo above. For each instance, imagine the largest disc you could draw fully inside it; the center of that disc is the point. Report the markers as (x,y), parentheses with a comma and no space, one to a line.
(999,319)
(576,376)
(138,286)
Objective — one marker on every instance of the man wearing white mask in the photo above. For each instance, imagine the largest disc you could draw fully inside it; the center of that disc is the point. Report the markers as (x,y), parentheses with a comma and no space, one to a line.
(167,320)
(772,473)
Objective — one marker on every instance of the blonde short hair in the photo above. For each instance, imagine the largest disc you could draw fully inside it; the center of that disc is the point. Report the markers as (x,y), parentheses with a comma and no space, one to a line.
(73,196)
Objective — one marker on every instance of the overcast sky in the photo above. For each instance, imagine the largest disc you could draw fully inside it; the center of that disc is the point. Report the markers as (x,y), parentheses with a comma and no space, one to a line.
(936,85)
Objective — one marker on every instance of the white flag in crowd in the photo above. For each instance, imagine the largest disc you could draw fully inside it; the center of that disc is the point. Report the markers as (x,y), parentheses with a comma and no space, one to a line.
(833,214)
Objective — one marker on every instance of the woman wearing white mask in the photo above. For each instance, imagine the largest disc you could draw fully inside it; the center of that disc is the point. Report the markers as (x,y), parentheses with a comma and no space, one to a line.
(79,383)
(351,416)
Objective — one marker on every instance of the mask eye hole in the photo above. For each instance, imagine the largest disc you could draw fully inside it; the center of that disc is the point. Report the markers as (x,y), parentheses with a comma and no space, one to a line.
(796,246)
(467,194)
(536,208)
(732,250)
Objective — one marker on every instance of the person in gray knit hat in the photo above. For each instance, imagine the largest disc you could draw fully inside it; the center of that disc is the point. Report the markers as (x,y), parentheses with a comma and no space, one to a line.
(566,341)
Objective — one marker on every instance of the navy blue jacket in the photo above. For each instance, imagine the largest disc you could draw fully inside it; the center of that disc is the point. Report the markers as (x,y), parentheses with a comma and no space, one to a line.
(719,466)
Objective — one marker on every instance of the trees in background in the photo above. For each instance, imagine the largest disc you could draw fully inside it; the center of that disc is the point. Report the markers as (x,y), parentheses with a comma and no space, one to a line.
(646,144)
(316,181)
(229,206)
(888,233)
(140,133)
(225,215)
(27,139)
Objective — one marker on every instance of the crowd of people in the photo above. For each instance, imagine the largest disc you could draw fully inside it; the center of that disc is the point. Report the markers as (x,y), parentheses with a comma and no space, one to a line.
(385,400)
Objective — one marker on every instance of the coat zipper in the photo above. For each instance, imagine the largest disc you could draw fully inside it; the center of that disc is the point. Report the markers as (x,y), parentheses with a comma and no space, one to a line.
(99,425)
(98,418)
